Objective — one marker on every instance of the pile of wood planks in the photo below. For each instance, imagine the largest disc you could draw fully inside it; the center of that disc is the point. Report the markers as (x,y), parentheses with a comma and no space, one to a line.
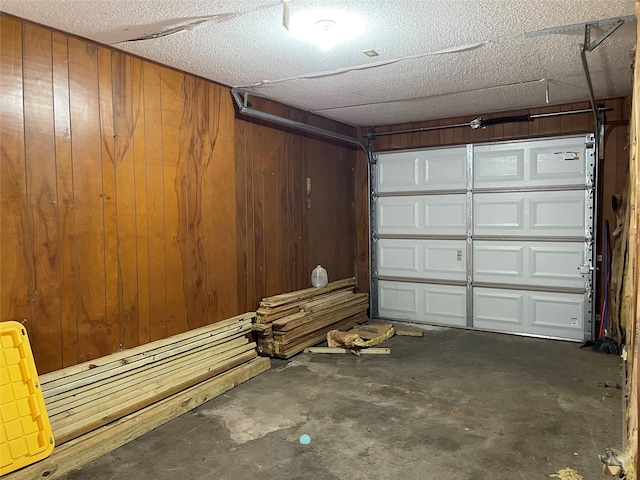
(286,324)
(97,406)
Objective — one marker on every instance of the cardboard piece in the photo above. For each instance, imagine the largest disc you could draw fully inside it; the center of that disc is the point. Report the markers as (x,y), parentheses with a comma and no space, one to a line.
(371,330)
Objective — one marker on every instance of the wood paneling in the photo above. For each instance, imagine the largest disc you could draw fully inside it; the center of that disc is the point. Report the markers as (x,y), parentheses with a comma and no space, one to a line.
(118,197)
(109,196)
(15,271)
(175,204)
(95,334)
(613,168)
(284,231)
(121,180)
(156,240)
(631,292)
(64,183)
(42,216)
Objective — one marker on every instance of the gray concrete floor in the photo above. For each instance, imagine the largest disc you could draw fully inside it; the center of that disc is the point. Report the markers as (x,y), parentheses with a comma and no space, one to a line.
(454,404)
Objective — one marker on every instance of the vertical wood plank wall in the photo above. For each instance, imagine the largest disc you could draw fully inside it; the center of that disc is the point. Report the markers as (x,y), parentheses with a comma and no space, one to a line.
(135,206)
(284,229)
(613,169)
(631,292)
(118,197)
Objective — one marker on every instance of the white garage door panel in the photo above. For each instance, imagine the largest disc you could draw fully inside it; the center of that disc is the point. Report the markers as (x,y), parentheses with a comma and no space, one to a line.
(399,214)
(498,309)
(422,302)
(544,264)
(503,167)
(559,214)
(429,170)
(530,164)
(422,215)
(432,259)
(557,312)
(563,166)
(398,172)
(535,313)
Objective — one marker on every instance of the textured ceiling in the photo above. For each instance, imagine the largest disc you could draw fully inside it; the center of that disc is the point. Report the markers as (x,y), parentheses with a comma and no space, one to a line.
(437,58)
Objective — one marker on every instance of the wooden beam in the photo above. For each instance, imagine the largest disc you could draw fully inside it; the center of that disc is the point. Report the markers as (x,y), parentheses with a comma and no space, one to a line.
(285,298)
(115,411)
(129,355)
(97,391)
(75,385)
(409,333)
(119,393)
(82,450)
(364,351)
(290,349)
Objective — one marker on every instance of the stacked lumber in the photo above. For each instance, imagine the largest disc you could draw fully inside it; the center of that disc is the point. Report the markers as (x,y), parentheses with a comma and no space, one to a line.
(100,405)
(286,324)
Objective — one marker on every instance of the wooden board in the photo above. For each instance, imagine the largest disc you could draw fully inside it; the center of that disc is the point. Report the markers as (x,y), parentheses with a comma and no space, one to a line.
(174,199)
(126,252)
(109,197)
(155,203)
(280,327)
(86,394)
(334,350)
(76,453)
(285,298)
(14,242)
(125,356)
(318,323)
(64,182)
(42,215)
(290,349)
(82,398)
(631,290)
(103,415)
(96,337)
(409,333)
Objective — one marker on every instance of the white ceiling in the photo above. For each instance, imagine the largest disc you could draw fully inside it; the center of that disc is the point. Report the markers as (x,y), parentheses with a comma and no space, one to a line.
(437,58)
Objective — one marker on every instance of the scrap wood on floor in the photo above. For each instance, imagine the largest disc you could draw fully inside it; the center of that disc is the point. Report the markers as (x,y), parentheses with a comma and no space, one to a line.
(364,351)
(288,323)
(361,338)
(409,333)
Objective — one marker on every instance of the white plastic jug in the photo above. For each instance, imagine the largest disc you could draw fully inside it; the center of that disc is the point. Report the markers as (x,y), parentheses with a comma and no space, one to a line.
(319,277)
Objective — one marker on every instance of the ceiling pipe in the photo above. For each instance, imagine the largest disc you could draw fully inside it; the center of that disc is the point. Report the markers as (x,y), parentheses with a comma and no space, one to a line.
(241,99)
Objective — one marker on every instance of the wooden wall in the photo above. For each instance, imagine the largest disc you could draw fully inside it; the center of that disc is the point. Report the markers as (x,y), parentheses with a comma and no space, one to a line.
(631,291)
(613,169)
(119,200)
(296,205)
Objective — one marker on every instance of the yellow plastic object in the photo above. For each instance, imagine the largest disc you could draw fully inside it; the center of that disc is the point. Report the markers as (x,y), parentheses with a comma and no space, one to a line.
(25,433)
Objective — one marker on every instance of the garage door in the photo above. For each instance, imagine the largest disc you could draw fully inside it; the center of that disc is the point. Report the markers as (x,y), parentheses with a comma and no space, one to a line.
(495,237)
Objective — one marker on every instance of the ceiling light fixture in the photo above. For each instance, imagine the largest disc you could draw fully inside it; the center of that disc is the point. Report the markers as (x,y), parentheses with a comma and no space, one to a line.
(370,53)
(325,28)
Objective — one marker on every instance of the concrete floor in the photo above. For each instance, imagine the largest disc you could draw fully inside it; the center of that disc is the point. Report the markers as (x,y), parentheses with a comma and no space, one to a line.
(455,404)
